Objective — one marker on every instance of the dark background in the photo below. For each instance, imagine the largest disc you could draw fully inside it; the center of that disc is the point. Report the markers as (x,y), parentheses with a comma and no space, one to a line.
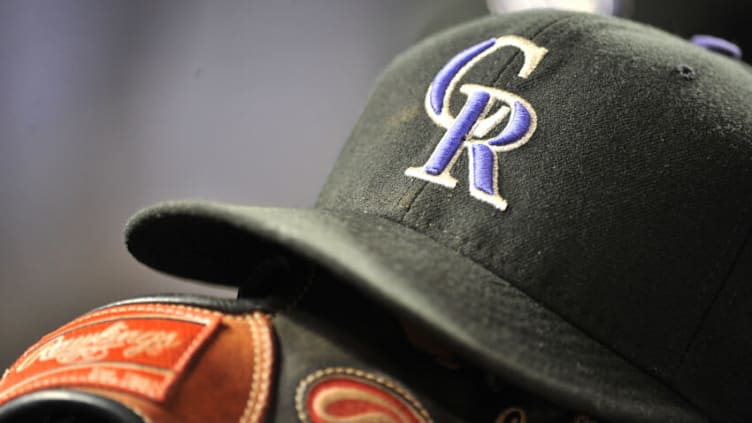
(109,106)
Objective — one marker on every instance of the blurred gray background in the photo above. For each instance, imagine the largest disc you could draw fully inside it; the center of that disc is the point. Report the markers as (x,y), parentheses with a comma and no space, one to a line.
(109,106)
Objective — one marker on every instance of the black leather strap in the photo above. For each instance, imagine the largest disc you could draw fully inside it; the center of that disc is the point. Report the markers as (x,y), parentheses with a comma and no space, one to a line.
(66,406)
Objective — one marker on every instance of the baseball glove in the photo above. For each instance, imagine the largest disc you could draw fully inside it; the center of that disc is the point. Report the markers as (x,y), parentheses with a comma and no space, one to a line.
(329,355)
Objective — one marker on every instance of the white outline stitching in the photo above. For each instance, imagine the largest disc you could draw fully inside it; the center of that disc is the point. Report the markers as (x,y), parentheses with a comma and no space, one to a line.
(349,371)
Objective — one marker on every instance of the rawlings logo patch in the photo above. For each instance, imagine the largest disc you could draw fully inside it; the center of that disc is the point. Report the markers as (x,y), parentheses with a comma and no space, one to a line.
(344,395)
(139,349)
(477,127)
(96,346)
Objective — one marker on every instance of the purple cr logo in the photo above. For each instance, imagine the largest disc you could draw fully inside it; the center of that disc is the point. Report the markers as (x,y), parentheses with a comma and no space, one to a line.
(474,127)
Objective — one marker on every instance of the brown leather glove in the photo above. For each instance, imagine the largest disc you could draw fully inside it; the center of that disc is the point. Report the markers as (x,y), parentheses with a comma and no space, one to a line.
(333,357)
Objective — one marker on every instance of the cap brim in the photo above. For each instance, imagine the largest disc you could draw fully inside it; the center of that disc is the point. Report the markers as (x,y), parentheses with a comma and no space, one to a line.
(487,318)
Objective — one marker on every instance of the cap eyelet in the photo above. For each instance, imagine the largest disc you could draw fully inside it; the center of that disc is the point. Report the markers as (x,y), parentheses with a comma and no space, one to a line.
(685,72)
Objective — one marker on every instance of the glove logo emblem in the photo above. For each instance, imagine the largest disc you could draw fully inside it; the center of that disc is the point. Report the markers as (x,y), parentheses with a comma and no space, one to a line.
(477,126)
(97,345)
(136,349)
(340,395)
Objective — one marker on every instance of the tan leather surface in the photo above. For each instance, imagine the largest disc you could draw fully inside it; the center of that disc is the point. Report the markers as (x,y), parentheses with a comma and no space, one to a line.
(229,381)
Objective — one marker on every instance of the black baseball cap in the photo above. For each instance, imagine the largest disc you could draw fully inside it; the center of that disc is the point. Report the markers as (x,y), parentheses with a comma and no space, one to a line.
(563,197)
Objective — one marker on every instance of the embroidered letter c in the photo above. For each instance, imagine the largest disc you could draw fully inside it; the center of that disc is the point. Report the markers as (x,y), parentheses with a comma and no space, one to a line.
(470,128)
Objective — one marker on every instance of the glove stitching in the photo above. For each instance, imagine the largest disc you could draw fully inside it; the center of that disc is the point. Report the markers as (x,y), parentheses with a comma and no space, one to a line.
(266,364)
(304,384)
(261,350)
(252,390)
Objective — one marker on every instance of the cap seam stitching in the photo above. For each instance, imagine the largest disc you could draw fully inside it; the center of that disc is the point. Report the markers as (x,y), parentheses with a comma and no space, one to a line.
(746,243)
(533,37)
